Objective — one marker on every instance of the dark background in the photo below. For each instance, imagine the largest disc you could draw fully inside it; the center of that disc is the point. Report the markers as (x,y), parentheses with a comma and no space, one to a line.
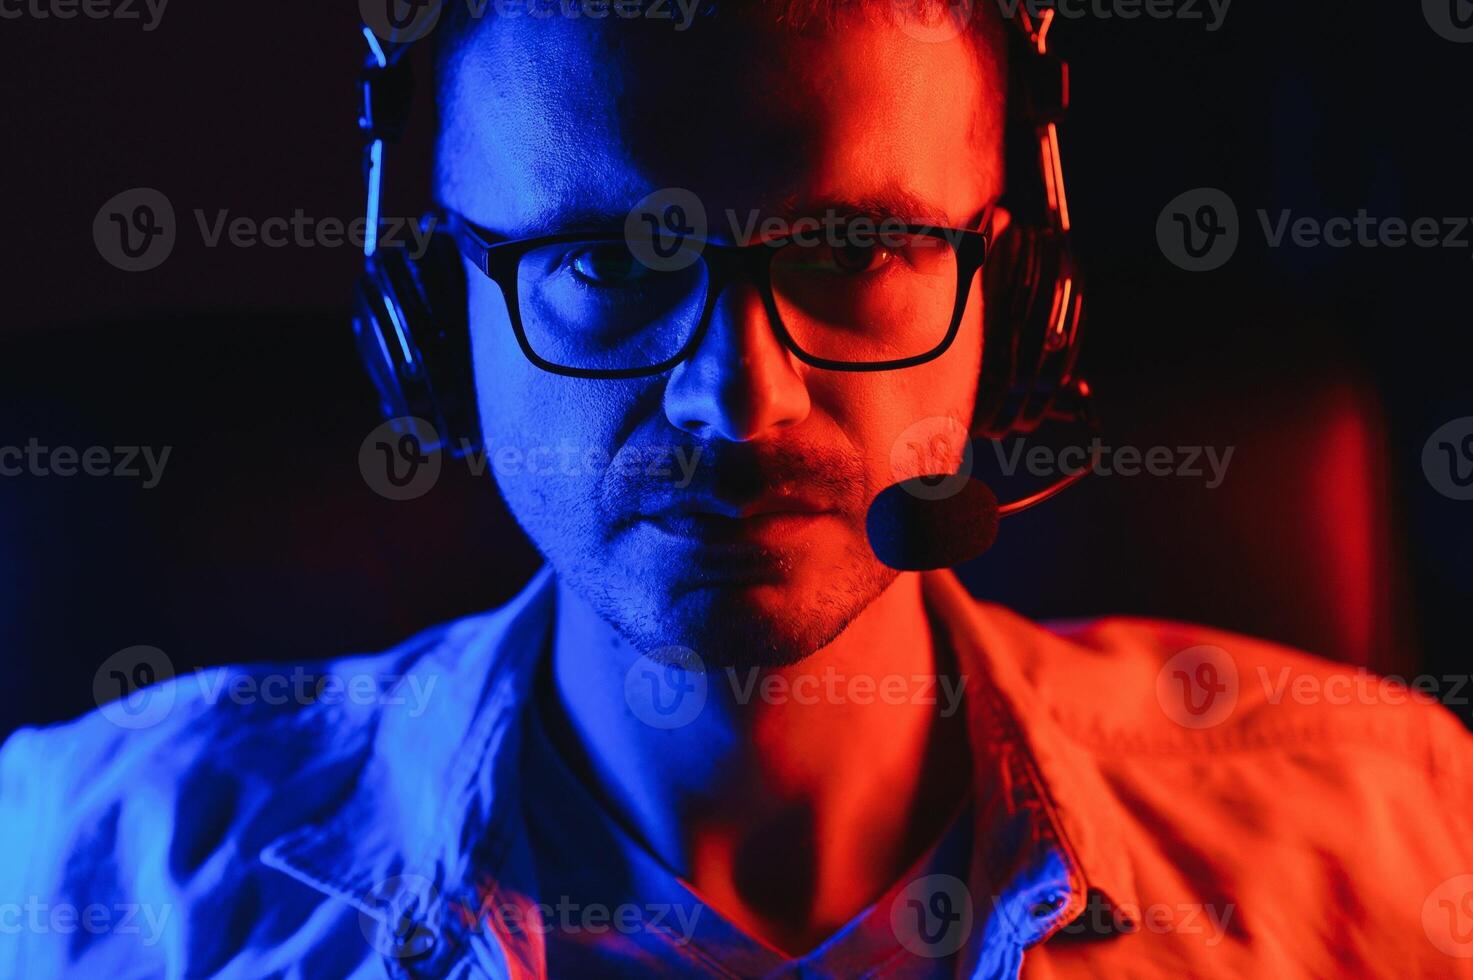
(1327,369)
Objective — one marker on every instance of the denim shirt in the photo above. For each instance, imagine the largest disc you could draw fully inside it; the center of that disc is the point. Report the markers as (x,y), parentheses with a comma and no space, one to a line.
(373,826)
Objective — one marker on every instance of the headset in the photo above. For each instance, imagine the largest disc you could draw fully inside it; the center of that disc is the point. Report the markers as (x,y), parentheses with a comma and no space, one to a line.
(410,317)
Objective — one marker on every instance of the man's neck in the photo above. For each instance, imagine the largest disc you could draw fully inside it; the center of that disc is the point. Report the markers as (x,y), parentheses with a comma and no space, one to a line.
(796,795)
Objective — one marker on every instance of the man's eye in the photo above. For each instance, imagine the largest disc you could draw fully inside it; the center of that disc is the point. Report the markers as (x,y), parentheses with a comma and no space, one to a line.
(854,260)
(607,266)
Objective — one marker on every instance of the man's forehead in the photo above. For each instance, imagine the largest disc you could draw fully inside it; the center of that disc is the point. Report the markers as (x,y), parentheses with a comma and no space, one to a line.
(555,125)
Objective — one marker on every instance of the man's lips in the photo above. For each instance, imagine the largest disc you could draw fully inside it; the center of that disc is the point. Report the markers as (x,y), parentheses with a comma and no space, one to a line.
(714,521)
(768,505)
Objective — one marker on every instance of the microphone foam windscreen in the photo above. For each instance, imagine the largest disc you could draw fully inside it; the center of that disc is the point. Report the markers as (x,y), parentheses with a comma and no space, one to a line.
(913,529)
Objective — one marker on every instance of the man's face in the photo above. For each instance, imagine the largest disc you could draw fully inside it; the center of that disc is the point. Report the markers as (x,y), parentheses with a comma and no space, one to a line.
(718,506)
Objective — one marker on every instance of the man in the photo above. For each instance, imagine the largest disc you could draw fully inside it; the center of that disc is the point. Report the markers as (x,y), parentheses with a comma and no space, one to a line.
(716,736)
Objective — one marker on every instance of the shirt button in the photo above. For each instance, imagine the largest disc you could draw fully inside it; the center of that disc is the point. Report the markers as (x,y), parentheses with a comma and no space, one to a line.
(1048,905)
(413,941)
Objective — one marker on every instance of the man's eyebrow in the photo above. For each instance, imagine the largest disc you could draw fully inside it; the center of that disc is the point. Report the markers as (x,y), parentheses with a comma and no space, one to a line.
(561,221)
(558,221)
(890,202)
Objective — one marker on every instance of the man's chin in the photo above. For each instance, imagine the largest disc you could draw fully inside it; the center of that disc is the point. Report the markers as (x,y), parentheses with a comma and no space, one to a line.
(735,624)
(738,621)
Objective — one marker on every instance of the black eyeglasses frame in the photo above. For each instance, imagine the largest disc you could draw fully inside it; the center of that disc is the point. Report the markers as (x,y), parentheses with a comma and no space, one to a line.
(498,259)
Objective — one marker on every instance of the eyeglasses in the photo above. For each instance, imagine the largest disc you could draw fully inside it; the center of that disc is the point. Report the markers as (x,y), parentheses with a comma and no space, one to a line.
(592,306)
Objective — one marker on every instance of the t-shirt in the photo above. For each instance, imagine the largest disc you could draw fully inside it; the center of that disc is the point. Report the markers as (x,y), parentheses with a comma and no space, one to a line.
(612,909)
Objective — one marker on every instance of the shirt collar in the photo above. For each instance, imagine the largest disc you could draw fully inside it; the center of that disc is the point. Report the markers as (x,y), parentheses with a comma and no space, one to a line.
(441,783)
(1045,787)
(401,843)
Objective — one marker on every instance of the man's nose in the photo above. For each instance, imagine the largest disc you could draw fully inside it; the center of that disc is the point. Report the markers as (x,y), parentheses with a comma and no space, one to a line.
(741,384)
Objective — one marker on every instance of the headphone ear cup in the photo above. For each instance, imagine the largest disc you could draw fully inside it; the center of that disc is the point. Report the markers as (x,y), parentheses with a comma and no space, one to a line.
(411,328)
(440,285)
(1031,329)
(382,340)
(1005,303)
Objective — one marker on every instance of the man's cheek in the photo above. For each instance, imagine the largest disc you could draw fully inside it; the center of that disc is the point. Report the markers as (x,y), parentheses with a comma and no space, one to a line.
(547,452)
(910,423)
(551,456)
(550,494)
(489,322)
(925,428)
(928,446)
